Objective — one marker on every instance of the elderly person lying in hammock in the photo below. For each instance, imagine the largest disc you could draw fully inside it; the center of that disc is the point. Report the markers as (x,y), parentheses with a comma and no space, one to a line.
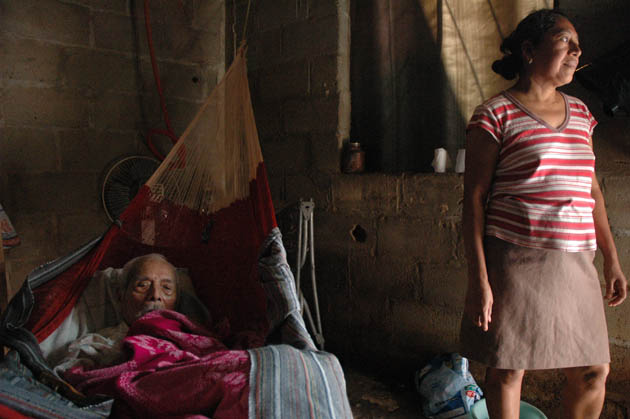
(151,283)
(156,348)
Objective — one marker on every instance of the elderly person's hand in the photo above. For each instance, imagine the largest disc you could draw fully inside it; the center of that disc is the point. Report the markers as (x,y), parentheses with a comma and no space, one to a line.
(616,284)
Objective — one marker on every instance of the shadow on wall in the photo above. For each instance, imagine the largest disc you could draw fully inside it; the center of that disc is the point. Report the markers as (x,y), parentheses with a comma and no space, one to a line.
(402,104)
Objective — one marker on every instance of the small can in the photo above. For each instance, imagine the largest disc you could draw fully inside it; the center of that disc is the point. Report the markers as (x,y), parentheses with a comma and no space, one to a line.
(354,158)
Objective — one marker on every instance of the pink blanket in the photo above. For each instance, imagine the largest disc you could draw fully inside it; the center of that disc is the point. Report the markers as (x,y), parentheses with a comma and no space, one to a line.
(175,368)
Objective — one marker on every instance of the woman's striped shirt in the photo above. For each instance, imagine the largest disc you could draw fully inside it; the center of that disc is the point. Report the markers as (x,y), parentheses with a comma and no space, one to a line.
(541,192)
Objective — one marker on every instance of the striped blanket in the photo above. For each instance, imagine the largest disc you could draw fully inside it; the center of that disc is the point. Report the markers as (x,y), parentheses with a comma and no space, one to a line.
(286,382)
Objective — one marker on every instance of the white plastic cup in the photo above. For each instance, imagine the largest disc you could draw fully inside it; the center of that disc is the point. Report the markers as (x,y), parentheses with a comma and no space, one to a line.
(460,161)
(441,160)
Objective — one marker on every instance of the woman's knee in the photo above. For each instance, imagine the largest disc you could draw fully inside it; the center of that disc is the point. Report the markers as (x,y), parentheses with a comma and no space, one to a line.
(590,378)
(504,377)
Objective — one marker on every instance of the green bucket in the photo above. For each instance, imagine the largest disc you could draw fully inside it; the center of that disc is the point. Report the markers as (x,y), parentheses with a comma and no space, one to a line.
(480,411)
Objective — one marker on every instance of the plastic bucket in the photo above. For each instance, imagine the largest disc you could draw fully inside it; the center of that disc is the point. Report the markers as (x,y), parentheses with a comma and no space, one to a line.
(480,411)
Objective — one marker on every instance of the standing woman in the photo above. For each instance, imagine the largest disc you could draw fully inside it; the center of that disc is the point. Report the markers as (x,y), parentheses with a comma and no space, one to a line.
(533,217)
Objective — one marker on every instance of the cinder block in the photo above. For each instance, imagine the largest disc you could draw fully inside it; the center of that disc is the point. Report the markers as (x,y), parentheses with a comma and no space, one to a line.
(396,277)
(444,284)
(332,274)
(425,241)
(47,20)
(170,41)
(92,150)
(616,190)
(37,233)
(187,44)
(374,194)
(326,153)
(618,326)
(432,195)
(265,49)
(322,8)
(302,186)
(172,12)
(56,193)
(283,81)
(417,327)
(279,13)
(119,33)
(123,111)
(269,120)
(315,115)
(29,60)
(28,150)
(208,14)
(297,38)
(187,81)
(324,76)
(119,6)
(97,71)
(38,107)
(288,155)
(78,229)
(181,113)
(334,231)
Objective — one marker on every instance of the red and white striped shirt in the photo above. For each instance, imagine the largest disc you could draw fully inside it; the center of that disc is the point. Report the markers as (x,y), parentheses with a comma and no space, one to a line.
(541,192)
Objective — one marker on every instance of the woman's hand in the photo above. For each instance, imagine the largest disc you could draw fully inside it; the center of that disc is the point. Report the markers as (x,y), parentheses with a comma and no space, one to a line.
(616,284)
(479,303)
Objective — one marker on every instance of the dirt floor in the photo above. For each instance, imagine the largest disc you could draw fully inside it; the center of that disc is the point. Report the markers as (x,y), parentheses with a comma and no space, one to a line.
(371,398)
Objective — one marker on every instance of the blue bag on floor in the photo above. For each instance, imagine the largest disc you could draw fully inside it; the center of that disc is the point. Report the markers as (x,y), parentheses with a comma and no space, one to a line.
(447,387)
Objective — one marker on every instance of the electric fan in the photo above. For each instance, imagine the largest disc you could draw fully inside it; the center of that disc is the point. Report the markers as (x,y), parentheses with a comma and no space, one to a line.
(122,182)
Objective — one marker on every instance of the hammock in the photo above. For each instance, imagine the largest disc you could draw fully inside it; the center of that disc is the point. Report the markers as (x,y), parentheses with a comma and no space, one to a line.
(207,208)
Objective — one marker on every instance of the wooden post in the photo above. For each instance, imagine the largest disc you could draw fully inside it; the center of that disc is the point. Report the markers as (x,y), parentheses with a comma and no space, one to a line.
(4,281)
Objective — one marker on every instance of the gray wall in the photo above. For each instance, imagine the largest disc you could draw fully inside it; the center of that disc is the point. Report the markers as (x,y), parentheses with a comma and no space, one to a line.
(77,92)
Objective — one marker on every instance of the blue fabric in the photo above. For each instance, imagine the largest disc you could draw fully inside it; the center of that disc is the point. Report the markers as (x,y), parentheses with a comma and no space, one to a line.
(20,391)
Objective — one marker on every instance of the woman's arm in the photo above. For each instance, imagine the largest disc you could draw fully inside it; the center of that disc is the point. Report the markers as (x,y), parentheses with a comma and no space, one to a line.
(481,157)
(616,284)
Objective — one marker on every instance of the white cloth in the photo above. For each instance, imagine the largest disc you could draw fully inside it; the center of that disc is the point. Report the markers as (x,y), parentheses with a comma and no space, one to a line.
(100,349)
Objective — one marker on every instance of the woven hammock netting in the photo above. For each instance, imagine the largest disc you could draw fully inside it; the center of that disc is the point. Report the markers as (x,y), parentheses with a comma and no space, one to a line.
(207,208)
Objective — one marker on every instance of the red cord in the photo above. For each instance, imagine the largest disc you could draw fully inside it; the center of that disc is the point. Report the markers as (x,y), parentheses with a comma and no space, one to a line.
(169,130)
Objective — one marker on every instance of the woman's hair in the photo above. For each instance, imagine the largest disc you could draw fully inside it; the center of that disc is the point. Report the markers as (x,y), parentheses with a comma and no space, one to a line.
(532,28)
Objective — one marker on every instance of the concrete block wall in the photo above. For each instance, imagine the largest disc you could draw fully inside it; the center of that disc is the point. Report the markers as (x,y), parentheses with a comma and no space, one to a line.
(77,92)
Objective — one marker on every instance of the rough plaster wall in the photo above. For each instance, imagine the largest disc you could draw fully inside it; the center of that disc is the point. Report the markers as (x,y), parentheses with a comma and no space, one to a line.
(76,92)
(389,255)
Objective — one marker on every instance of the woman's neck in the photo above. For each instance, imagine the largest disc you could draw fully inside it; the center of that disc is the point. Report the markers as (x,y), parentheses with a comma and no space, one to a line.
(528,89)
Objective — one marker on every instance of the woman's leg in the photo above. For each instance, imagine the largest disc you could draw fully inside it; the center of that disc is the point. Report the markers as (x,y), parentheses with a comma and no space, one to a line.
(583,396)
(503,392)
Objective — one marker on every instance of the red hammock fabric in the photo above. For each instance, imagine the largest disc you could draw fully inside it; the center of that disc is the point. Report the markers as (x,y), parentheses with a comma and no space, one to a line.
(223,271)
(206,208)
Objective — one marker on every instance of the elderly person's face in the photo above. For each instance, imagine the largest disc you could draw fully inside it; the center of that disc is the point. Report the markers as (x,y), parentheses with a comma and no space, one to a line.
(153,288)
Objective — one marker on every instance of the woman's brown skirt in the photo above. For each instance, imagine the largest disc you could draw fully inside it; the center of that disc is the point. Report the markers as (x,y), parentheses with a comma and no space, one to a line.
(548,310)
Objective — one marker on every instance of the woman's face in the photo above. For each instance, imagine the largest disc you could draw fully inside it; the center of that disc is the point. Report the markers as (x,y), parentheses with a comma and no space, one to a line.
(556,57)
